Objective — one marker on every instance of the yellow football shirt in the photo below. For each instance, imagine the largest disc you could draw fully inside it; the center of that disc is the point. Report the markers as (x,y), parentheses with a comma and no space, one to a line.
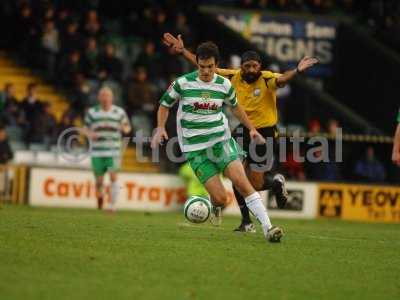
(258,98)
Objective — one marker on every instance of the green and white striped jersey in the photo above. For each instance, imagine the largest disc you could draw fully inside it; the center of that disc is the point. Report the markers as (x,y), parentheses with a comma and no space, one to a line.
(200,120)
(107,125)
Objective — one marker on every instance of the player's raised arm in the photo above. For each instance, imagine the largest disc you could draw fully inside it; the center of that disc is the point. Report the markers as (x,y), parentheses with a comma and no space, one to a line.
(304,64)
(177,44)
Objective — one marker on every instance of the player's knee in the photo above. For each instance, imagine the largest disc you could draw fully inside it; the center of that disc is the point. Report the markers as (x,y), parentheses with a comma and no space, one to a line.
(243,186)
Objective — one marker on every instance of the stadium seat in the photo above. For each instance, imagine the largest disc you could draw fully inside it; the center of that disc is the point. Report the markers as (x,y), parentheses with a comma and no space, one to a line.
(21,77)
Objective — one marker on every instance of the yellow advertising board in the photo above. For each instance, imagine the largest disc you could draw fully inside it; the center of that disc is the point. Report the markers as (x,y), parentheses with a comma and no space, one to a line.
(359,202)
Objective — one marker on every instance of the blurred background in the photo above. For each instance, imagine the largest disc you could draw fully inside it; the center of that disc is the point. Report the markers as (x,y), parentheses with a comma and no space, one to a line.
(56,54)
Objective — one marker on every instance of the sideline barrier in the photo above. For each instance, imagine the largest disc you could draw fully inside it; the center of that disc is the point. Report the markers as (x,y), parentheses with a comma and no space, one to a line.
(149,192)
(162,192)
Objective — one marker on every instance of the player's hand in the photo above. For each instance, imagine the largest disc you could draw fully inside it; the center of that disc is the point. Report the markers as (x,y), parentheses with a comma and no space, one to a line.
(396,157)
(255,135)
(159,137)
(175,43)
(306,63)
(90,134)
(125,128)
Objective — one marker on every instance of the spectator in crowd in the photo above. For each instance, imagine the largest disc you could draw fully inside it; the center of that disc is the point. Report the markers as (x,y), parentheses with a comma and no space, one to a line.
(12,114)
(25,32)
(80,95)
(7,96)
(160,24)
(63,16)
(181,27)
(141,100)
(92,26)
(320,170)
(71,66)
(332,127)
(50,46)
(324,170)
(6,153)
(173,65)
(44,127)
(90,58)
(71,38)
(293,168)
(110,66)
(142,25)
(314,127)
(49,13)
(150,60)
(369,168)
(31,105)
(67,121)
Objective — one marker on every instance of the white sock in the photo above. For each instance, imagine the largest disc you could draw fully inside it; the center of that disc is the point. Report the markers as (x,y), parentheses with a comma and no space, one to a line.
(258,209)
(114,193)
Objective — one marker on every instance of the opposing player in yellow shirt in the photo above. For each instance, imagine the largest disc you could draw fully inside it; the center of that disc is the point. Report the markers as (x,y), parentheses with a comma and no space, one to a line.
(256,92)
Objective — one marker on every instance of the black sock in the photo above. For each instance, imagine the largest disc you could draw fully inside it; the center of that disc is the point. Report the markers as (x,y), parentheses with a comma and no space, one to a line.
(243,208)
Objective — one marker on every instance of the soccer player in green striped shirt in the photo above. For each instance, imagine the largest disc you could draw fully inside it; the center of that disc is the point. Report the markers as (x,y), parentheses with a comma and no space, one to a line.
(204,135)
(104,125)
(396,143)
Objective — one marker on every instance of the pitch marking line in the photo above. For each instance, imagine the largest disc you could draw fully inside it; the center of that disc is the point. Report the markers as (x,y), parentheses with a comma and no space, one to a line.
(322,237)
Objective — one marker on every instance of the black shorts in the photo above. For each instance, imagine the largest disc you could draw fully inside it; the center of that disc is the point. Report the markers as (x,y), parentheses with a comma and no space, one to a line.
(258,156)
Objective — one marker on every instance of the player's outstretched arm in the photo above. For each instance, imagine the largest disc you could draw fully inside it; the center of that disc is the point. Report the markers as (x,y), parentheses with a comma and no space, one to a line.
(241,115)
(396,146)
(177,44)
(160,134)
(304,64)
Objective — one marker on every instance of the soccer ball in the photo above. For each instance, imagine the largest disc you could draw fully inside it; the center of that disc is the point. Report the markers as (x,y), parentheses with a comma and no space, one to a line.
(197,209)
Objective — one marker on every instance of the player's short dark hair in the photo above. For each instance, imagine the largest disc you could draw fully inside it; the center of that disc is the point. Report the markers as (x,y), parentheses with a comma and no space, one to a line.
(207,50)
(250,55)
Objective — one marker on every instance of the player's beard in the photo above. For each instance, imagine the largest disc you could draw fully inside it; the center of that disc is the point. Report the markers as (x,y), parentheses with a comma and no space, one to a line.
(251,77)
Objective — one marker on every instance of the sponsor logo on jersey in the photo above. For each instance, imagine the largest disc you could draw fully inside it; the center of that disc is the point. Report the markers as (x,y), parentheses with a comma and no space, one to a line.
(205,106)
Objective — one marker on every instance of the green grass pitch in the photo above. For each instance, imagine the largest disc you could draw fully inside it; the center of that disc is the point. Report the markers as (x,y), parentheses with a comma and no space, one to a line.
(85,254)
